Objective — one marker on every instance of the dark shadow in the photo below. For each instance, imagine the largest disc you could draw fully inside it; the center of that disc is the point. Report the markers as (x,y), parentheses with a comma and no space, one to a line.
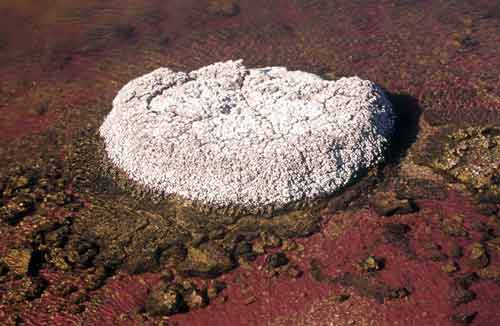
(408,112)
(35,263)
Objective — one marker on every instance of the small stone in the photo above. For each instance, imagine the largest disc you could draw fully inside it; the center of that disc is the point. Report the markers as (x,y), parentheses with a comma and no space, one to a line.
(270,240)
(276,260)
(250,300)
(209,260)
(186,285)
(17,208)
(465,318)
(215,289)
(342,298)
(57,257)
(19,260)
(386,204)
(435,252)
(372,264)
(212,293)
(450,267)
(28,289)
(195,299)
(22,182)
(164,302)
(258,248)
(397,293)
(478,257)
(227,8)
(291,245)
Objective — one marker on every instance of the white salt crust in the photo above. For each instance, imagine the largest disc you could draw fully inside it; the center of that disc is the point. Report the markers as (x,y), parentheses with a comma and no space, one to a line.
(227,135)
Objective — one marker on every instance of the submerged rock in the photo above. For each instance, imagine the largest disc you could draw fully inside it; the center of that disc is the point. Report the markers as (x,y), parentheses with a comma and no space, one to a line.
(472,156)
(19,260)
(226,135)
(225,8)
(29,288)
(206,261)
(276,260)
(17,208)
(372,264)
(386,204)
(478,257)
(164,301)
(465,318)
(195,298)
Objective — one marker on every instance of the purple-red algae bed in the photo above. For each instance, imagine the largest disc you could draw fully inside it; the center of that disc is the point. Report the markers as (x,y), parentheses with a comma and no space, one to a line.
(442,55)
(255,296)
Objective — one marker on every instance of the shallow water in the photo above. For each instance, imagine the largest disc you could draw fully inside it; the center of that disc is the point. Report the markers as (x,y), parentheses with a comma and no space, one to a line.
(67,60)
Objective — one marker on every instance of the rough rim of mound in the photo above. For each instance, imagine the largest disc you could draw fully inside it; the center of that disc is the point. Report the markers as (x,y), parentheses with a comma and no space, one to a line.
(226,135)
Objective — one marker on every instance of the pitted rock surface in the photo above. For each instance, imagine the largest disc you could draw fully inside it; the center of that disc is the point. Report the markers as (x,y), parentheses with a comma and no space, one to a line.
(227,135)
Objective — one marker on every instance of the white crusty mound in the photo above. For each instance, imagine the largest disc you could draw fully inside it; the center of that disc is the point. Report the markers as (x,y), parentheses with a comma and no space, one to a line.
(227,135)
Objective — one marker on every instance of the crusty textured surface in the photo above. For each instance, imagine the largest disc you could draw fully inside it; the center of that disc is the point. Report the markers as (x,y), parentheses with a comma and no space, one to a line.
(228,135)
